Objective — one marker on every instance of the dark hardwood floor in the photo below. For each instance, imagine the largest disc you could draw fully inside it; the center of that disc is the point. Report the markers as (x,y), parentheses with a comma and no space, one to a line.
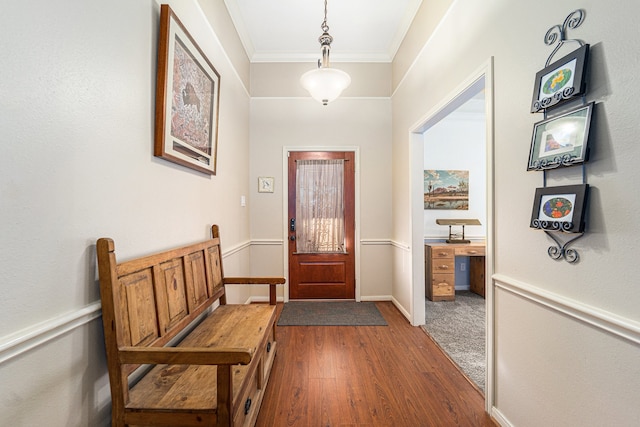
(367,376)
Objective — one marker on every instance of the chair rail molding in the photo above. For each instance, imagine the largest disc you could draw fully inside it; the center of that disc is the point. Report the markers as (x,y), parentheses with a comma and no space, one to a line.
(601,319)
(41,333)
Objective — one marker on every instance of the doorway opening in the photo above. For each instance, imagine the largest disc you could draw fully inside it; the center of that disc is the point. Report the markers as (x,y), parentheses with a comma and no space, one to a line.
(478,90)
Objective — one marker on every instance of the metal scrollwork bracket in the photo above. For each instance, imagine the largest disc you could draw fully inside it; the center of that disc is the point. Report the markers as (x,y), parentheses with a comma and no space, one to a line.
(562,249)
(559,32)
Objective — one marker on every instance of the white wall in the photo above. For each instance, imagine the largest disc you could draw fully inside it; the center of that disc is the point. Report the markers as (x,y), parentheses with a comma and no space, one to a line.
(457,142)
(77,113)
(582,319)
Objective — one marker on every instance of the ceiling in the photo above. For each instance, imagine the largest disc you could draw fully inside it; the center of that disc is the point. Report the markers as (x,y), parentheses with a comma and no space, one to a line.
(288,30)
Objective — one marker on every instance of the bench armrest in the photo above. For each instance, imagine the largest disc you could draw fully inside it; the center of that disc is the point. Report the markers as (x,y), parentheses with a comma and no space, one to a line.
(185,355)
(271,281)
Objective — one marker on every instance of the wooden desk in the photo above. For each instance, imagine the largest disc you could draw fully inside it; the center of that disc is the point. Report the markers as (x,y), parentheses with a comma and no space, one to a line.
(440,268)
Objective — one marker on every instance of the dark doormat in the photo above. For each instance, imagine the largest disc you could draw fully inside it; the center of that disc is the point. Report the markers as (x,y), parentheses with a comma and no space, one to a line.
(325,313)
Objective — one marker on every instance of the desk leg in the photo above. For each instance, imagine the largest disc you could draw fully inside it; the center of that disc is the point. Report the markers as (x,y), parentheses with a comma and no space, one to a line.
(476,274)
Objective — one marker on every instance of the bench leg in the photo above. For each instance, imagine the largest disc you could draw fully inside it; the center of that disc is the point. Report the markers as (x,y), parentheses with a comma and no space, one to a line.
(225,395)
(272,294)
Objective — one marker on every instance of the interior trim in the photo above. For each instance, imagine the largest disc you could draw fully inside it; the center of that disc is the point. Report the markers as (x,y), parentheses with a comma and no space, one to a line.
(372,242)
(601,319)
(36,335)
(267,242)
(237,248)
(41,333)
(401,245)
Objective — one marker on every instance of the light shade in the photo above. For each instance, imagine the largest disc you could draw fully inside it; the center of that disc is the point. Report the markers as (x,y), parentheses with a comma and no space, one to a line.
(325,84)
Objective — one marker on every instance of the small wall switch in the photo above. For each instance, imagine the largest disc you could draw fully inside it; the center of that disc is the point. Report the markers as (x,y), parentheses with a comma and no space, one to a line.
(243,201)
(463,266)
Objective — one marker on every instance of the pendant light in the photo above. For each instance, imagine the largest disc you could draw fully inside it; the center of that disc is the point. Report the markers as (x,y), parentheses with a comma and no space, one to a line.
(325,83)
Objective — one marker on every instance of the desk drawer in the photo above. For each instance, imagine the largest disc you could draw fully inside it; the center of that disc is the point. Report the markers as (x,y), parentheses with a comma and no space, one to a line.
(438,252)
(470,251)
(444,265)
(442,287)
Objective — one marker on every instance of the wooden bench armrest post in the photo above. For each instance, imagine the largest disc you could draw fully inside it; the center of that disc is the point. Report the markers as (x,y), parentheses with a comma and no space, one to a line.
(271,281)
(185,355)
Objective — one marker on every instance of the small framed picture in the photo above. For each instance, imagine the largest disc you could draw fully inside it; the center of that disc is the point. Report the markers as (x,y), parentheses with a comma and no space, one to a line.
(562,140)
(560,81)
(560,208)
(265,184)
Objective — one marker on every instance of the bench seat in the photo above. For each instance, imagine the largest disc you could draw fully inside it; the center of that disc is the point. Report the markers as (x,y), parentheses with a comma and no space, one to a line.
(177,353)
(172,386)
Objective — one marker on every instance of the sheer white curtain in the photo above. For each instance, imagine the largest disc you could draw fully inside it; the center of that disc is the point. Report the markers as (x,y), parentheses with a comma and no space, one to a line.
(320,206)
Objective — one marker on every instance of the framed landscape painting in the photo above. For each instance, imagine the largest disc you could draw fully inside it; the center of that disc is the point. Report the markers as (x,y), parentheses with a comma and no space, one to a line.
(187,97)
(446,189)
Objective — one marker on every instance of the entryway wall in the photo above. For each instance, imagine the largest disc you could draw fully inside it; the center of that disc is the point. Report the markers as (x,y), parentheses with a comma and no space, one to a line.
(357,124)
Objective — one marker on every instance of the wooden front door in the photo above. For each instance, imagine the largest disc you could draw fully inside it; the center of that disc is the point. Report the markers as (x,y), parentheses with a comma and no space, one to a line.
(321,237)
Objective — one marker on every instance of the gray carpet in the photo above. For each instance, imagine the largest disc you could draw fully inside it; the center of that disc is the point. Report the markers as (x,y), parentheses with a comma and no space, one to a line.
(333,313)
(459,328)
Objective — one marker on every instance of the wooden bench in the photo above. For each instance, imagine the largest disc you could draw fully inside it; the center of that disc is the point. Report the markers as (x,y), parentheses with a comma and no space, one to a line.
(174,356)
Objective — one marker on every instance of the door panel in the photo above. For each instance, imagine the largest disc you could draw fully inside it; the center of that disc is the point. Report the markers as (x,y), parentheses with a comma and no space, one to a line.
(322,275)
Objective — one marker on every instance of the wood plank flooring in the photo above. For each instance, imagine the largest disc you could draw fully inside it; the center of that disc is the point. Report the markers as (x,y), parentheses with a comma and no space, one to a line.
(367,376)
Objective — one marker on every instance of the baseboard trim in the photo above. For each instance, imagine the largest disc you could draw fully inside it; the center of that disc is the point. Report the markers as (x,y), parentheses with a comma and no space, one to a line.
(601,319)
(375,298)
(24,340)
(261,299)
(499,417)
(399,306)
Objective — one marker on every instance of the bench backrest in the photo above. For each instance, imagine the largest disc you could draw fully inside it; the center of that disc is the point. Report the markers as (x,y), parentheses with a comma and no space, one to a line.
(147,301)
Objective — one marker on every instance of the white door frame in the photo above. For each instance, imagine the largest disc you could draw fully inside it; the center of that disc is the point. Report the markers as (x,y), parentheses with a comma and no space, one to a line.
(483,75)
(285,204)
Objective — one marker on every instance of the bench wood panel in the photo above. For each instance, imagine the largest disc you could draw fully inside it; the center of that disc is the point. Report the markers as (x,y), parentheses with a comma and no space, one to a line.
(223,358)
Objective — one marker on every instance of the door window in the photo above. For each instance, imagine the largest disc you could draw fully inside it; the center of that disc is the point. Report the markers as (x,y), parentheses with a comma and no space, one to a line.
(320,224)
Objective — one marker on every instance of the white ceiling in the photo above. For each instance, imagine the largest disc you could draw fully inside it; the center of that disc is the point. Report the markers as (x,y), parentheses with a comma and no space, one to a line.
(288,30)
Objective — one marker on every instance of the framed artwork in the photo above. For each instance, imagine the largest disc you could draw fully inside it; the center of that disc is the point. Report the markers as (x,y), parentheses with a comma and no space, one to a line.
(560,208)
(560,81)
(446,189)
(187,97)
(561,140)
(265,184)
